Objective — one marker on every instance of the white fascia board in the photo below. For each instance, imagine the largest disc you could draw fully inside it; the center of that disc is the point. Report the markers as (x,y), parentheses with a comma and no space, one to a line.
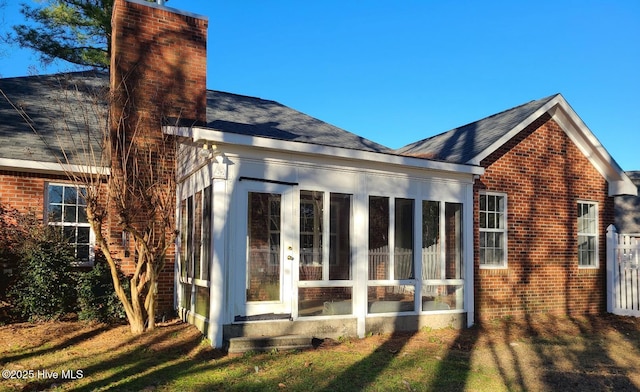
(21,165)
(622,187)
(201,135)
(590,146)
(507,136)
(562,113)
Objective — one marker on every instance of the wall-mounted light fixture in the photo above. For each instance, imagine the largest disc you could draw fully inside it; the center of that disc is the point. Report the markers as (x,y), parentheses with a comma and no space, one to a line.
(214,156)
(208,151)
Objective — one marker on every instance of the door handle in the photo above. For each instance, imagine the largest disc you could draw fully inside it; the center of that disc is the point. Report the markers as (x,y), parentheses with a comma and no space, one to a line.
(289,257)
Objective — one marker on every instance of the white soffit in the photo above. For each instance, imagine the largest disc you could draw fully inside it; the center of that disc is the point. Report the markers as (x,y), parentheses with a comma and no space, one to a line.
(21,165)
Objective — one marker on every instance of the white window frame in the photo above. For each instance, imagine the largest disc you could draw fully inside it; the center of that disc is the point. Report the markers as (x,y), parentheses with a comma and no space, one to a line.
(277,231)
(316,258)
(595,235)
(504,230)
(62,223)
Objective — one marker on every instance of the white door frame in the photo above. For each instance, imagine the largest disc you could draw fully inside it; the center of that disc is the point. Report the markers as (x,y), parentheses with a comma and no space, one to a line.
(288,250)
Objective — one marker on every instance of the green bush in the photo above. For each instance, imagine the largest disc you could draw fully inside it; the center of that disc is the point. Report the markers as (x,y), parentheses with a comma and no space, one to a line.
(97,300)
(45,284)
(15,228)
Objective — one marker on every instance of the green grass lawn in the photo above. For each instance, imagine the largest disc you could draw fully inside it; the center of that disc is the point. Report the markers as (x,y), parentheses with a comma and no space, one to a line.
(560,354)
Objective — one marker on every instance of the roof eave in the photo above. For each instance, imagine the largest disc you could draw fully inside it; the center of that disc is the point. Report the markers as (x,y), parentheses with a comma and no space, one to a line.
(563,114)
(201,135)
(621,187)
(29,166)
(514,131)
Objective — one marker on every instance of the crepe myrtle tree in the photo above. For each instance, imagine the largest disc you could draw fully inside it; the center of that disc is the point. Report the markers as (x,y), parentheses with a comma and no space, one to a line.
(127,184)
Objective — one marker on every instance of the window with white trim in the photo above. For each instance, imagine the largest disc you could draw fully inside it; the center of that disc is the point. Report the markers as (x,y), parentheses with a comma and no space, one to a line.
(587,234)
(493,230)
(195,251)
(67,209)
(311,227)
(320,260)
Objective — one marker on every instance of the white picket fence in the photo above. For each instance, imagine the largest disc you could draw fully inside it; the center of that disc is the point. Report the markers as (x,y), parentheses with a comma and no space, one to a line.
(623,273)
(403,262)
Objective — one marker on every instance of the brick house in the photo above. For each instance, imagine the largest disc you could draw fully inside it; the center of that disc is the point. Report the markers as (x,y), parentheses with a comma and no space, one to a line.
(290,225)
(34,172)
(541,208)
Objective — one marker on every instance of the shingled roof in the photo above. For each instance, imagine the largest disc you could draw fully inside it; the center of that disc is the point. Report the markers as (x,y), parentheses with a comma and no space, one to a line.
(471,143)
(61,106)
(259,117)
(462,144)
(45,117)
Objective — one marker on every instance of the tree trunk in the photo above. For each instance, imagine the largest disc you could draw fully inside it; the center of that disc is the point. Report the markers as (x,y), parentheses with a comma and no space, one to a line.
(150,301)
(136,324)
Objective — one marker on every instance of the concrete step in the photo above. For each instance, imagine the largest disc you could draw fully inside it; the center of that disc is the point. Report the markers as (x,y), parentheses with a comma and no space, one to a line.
(268,343)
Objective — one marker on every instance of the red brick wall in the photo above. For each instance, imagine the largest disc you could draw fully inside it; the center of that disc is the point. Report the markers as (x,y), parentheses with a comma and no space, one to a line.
(544,175)
(161,57)
(158,76)
(25,191)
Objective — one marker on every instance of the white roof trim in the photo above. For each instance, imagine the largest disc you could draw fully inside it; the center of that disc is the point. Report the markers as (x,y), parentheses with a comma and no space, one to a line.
(50,167)
(202,135)
(562,113)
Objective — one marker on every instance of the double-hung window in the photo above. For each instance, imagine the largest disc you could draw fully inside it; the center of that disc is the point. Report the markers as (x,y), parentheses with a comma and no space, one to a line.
(67,209)
(587,234)
(493,230)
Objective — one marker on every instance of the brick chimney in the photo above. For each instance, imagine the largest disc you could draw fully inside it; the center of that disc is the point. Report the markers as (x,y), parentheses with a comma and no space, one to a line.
(157,77)
(159,60)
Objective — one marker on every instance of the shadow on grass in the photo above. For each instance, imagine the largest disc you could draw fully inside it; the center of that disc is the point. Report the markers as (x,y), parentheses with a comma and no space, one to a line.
(455,367)
(367,370)
(542,352)
(547,353)
(595,368)
(154,359)
(530,354)
(47,348)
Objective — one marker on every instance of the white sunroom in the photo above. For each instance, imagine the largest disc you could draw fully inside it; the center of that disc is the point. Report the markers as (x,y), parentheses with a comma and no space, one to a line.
(290,236)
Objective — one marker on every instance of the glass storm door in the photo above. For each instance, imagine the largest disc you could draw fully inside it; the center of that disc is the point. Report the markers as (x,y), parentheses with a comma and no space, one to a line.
(269,250)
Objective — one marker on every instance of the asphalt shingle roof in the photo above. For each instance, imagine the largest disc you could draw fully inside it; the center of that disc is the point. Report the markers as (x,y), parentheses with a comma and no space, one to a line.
(59,116)
(462,144)
(259,117)
(63,112)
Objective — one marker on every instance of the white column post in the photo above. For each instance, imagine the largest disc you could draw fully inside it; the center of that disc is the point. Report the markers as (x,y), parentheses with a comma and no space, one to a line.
(612,244)
(218,269)
(467,236)
(360,255)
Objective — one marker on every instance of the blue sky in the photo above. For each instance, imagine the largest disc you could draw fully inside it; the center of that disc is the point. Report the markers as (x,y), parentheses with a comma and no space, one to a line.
(399,71)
